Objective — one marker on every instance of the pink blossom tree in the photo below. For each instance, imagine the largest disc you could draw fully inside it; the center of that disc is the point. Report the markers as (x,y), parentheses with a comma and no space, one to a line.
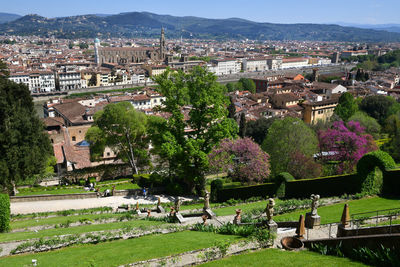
(345,144)
(243,157)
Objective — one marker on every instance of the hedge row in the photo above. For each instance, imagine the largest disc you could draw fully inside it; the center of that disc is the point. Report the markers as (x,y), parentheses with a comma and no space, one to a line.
(289,188)
(391,182)
(324,186)
(245,192)
(4,213)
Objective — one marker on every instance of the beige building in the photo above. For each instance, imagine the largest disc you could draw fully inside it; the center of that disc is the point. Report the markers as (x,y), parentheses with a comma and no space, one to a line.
(319,110)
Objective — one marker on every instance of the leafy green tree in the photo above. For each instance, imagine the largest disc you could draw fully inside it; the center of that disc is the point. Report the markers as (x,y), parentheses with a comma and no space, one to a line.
(377,106)
(231,109)
(393,146)
(242,125)
(230,87)
(371,126)
(24,145)
(122,128)
(346,107)
(83,45)
(248,85)
(185,144)
(3,69)
(285,138)
(258,129)
(392,123)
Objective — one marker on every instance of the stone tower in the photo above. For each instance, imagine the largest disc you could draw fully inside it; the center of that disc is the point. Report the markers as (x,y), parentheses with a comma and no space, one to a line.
(162,45)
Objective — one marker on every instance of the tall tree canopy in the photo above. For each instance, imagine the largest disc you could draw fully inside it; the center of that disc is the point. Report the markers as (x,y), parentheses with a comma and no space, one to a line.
(24,146)
(247,161)
(287,137)
(258,129)
(347,106)
(346,144)
(378,107)
(370,125)
(185,142)
(123,129)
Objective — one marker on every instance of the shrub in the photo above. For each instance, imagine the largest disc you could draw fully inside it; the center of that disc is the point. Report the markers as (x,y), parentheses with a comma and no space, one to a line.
(370,181)
(175,189)
(281,180)
(324,186)
(4,213)
(245,192)
(216,185)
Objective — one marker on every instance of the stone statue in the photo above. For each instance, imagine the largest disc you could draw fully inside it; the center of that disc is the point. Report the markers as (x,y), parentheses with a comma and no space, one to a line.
(314,204)
(206,201)
(177,204)
(270,209)
(159,202)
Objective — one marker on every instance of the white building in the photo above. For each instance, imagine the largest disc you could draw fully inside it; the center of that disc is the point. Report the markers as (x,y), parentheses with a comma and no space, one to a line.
(37,82)
(289,63)
(274,63)
(255,64)
(225,66)
(70,80)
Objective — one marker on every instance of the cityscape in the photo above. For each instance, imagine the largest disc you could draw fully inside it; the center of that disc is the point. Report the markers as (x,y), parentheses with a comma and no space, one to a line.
(211,134)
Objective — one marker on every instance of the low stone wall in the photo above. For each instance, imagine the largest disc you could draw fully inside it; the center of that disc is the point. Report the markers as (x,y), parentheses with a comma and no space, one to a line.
(369,241)
(377,230)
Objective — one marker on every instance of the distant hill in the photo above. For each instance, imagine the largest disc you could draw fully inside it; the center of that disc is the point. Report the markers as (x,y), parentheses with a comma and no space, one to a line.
(145,24)
(380,27)
(7,17)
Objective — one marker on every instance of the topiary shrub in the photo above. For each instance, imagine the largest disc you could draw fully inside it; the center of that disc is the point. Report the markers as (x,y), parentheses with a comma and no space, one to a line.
(371,180)
(4,213)
(280,181)
(216,185)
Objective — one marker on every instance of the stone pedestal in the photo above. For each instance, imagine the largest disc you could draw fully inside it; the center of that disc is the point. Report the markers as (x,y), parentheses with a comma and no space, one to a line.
(312,221)
(179,217)
(210,214)
(272,226)
(160,209)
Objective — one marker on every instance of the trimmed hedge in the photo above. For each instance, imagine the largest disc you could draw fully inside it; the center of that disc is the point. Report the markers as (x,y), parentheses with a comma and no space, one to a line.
(216,186)
(281,180)
(4,213)
(245,192)
(391,182)
(324,186)
(370,182)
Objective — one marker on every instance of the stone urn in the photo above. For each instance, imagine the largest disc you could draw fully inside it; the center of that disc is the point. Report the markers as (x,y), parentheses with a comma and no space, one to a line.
(204,217)
(292,243)
(237,218)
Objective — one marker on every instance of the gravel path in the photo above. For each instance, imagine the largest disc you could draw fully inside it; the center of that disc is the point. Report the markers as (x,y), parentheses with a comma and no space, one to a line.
(114,202)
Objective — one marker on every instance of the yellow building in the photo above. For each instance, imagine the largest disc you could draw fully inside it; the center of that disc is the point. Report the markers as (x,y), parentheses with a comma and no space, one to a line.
(88,75)
(318,111)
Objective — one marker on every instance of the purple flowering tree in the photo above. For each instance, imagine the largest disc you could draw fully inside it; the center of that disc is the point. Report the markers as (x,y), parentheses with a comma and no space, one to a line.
(345,144)
(244,158)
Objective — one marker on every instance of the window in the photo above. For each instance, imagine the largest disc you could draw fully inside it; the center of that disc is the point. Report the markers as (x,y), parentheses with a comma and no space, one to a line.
(80,131)
(108,154)
(73,138)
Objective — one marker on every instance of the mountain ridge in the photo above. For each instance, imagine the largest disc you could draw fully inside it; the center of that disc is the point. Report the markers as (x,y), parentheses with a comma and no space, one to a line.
(146,24)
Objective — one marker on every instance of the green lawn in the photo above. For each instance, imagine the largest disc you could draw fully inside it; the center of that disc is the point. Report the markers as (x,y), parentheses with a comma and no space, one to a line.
(61,219)
(274,257)
(6,237)
(120,252)
(244,207)
(333,213)
(52,191)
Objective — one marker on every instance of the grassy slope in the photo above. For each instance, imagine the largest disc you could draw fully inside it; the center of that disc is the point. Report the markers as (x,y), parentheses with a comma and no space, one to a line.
(122,186)
(274,257)
(333,213)
(120,252)
(75,230)
(61,219)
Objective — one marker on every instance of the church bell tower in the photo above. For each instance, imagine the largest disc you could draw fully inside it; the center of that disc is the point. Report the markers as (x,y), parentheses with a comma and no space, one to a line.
(162,45)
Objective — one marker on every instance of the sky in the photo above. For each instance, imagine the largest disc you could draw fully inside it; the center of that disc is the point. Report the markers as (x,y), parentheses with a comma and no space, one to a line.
(276,11)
